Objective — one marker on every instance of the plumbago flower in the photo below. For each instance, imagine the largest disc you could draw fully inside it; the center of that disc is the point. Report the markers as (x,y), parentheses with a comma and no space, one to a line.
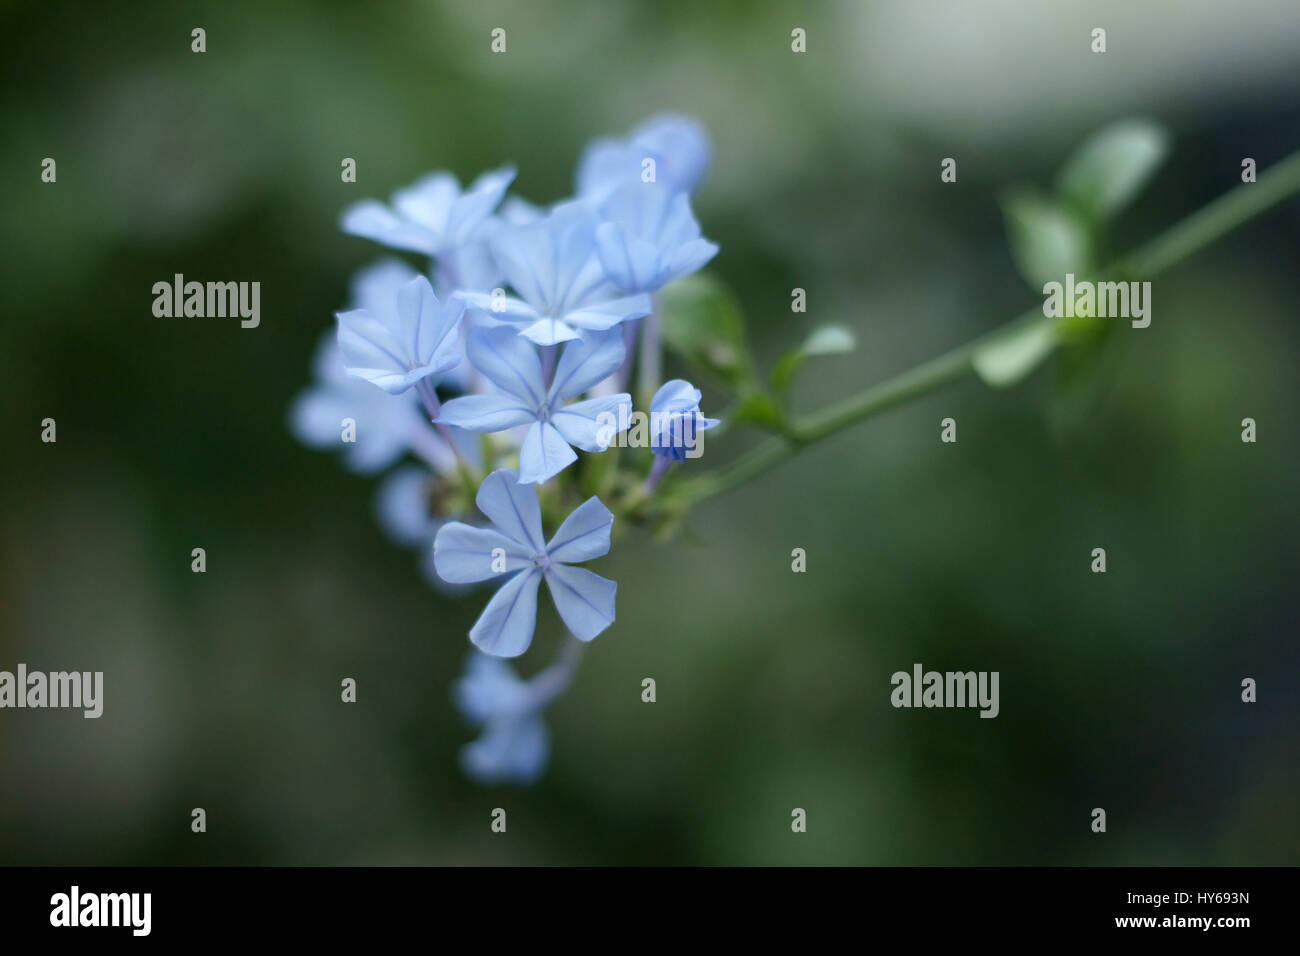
(514,315)
(674,148)
(511,364)
(514,743)
(433,216)
(649,237)
(562,288)
(514,547)
(402,341)
(676,419)
(371,428)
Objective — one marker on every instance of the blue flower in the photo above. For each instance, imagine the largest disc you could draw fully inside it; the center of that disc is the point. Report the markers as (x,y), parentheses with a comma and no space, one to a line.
(512,364)
(650,237)
(560,285)
(514,745)
(404,340)
(380,428)
(402,506)
(677,144)
(675,420)
(432,216)
(514,547)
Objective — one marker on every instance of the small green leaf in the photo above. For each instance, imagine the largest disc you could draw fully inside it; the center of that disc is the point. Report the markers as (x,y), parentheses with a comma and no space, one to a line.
(701,321)
(826,340)
(1007,358)
(1108,171)
(1047,239)
(830,340)
(758,408)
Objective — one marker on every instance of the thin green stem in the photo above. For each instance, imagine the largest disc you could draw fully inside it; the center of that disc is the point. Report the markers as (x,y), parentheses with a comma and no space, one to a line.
(1172,246)
(1216,220)
(920,380)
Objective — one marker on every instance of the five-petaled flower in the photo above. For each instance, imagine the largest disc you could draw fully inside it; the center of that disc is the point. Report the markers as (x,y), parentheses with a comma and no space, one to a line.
(561,287)
(512,364)
(678,146)
(649,237)
(432,216)
(514,743)
(411,339)
(515,548)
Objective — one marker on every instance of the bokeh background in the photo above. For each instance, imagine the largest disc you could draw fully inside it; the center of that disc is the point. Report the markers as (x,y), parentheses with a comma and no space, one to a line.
(1119,691)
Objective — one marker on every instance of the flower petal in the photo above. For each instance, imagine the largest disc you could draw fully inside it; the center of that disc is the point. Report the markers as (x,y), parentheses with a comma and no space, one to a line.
(522,252)
(631,262)
(512,507)
(501,308)
(374,288)
(402,506)
(583,535)
(429,330)
(371,219)
(509,362)
(543,454)
(592,425)
(548,332)
(463,554)
(490,689)
(676,395)
(486,413)
(585,600)
(505,628)
(509,751)
(603,315)
(428,202)
(583,364)
(689,257)
(470,209)
(370,351)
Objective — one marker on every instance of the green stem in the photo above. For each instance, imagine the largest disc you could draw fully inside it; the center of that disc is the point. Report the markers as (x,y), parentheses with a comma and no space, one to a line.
(1169,248)
(1215,220)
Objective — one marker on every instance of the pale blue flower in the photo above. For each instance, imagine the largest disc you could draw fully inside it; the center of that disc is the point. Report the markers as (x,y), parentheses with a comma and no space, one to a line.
(677,144)
(675,419)
(374,288)
(515,743)
(402,506)
(372,428)
(561,289)
(405,502)
(514,548)
(400,342)
(432,216)
(512,364)
(650,237)
(520,212)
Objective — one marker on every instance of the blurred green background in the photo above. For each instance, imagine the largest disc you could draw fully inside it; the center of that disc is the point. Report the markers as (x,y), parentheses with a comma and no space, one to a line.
(1119,691)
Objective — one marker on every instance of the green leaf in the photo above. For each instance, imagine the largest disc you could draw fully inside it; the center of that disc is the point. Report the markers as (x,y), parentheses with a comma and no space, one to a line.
(701,321)
(1047,239)
(758,408)
(826,340)
(1007,358)
(1108,171)
(829,340)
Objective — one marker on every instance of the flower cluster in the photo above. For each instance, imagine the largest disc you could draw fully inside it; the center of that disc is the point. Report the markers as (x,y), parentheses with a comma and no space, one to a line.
(505,355)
